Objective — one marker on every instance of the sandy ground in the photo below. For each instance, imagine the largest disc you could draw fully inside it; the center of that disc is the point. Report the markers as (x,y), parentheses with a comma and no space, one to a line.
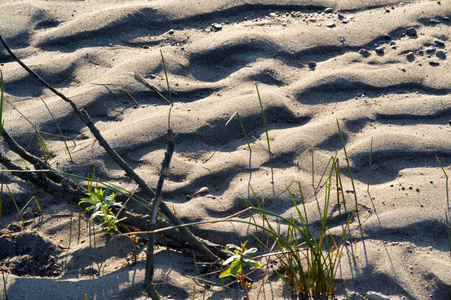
(380,68)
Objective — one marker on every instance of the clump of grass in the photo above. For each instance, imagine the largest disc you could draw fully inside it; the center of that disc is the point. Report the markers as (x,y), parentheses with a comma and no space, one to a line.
(309,262)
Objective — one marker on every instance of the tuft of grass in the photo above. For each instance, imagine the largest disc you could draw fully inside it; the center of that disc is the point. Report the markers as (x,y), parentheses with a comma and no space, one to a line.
(309,262)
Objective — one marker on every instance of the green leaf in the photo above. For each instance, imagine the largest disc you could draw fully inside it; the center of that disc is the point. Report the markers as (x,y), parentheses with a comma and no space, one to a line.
(226,273)
(254,264)
(234,269)
(230,259)
(250,252)
(232,246)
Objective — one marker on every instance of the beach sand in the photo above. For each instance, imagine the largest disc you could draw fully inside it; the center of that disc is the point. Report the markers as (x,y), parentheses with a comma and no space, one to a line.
(380,68)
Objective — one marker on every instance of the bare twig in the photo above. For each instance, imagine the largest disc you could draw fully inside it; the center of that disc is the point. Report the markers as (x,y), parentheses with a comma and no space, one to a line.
(155,204)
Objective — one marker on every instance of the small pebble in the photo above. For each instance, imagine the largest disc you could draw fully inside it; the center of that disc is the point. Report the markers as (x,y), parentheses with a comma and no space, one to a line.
(376,296)
(203,190)
(330,25)
(410,56)
(273,15)
(440,54)
(216,26)
(380,50)
(345,21)
(312,19)
(364,52)
(311,64)
(171,31)
(329,10)
(445,19)
(411,31)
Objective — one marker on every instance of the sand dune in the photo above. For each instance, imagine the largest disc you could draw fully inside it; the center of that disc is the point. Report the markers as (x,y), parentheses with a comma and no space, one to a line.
(378,67)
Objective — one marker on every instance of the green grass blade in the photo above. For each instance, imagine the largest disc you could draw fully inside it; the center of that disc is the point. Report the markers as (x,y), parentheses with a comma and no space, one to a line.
(337,173)
(349,166)
(244,132)
(4,285)
(59,129)
(167,80)
(264,119)
(15,203)
(446,175)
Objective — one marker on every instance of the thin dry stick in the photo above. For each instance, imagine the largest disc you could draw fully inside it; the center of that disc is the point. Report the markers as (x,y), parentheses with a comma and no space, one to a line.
(38,163)
(82,114)
(150,263)
(151,87)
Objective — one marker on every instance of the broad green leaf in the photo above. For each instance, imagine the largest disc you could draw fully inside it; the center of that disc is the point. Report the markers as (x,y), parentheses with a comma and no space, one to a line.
(232,246)
(230,259)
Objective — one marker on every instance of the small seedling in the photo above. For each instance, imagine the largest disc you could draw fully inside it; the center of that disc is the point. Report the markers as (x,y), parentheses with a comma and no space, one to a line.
(238,263)
(102,205)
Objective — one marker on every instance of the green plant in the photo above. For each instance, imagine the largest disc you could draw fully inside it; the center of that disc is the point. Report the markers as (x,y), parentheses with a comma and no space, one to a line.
(102,205)
(238,263)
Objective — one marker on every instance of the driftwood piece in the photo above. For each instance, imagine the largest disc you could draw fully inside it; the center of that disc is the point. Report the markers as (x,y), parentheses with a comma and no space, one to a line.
(193,240)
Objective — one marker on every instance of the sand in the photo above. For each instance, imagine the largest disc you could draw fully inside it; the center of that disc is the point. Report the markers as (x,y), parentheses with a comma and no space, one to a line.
(312,68)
